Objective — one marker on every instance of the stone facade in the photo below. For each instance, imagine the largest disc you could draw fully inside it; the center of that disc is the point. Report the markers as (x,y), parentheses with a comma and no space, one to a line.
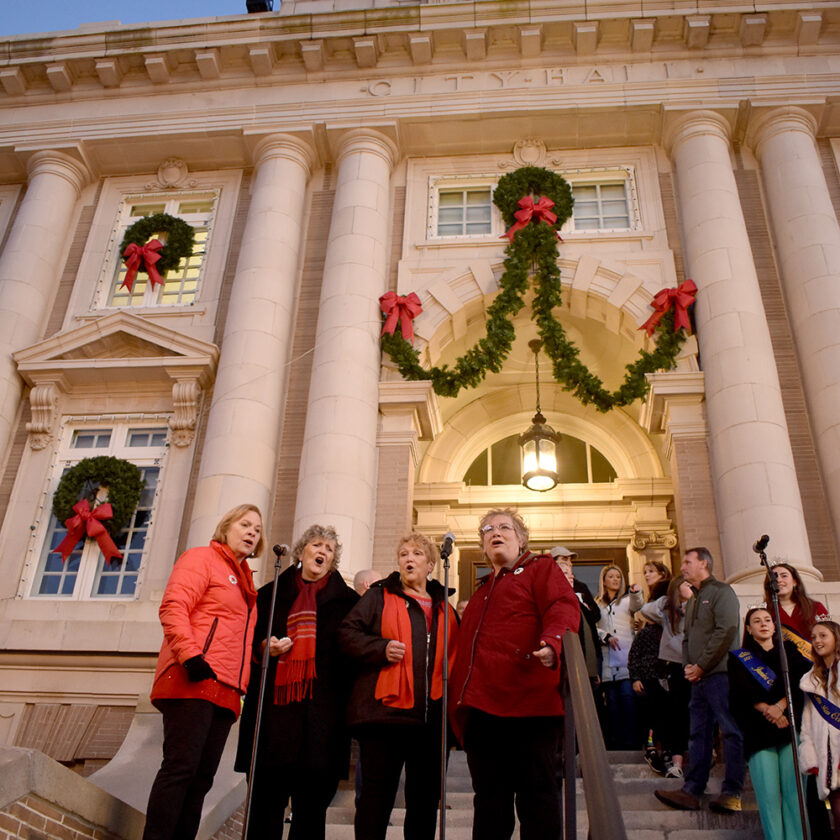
(327,152)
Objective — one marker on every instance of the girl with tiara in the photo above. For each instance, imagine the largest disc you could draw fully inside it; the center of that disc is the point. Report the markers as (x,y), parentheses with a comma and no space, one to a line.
(759,704)
(819,747)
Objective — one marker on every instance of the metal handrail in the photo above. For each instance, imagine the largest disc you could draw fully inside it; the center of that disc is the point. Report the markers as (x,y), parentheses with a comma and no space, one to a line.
(602,806)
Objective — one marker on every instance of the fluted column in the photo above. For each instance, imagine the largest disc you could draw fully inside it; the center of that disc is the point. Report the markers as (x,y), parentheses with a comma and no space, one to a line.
(756,489)
(338,461)
(30,267)
(807,238)
(239,458)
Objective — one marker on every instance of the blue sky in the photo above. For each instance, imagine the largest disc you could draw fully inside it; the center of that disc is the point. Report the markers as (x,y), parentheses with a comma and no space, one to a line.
(26,16)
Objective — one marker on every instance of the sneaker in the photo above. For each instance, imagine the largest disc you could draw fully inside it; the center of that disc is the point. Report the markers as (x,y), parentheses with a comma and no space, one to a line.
(682,800)
(655,761)
(726,803)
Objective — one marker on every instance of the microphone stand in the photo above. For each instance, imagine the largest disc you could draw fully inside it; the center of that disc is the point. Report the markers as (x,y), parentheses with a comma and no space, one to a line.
(279,551)
(773,586)
(445,551)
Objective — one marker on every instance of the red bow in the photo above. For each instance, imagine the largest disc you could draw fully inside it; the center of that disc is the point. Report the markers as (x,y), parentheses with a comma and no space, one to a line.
(147,254)
(541,211)
(679,299)
(403,308)
(87,523)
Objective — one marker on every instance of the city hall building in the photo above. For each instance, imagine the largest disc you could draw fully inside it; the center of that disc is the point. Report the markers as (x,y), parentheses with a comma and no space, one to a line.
(329,151)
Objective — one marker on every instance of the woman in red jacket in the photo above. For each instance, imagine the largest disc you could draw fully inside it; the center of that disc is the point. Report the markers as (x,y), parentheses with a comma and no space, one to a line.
(208,616)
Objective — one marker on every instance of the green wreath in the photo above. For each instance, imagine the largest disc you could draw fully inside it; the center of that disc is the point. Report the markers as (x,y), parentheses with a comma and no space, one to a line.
(534,251)
(180,239)
(122,478)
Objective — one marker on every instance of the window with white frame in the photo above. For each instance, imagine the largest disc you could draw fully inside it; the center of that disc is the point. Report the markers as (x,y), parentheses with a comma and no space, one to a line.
(86,574)
(181,284)
(605,200)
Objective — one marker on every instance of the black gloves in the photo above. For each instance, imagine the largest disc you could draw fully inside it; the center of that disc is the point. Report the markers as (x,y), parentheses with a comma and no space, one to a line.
(198,669)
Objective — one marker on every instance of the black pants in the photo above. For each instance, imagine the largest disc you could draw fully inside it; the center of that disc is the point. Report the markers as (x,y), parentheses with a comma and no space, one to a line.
(194,735)
(513,760)
(383,750)
(311,792)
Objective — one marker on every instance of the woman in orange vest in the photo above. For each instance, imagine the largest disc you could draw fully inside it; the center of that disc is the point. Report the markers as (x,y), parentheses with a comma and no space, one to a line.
(395,635)
(208,613)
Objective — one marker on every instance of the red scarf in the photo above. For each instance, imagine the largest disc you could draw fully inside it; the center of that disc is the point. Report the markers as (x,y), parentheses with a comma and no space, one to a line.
(296,668)
(395,686)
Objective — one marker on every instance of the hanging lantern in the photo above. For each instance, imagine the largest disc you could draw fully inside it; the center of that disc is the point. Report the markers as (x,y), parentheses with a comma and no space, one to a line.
(539,444)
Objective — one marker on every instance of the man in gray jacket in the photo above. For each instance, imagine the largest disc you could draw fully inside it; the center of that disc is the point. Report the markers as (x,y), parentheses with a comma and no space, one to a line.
(711,631)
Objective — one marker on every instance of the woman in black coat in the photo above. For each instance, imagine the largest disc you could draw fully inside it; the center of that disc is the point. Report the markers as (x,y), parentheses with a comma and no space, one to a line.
(395,636)
(304,744)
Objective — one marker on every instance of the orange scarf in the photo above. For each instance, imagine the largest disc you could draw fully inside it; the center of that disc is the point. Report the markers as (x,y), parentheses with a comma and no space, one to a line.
(395,686)
(296,668)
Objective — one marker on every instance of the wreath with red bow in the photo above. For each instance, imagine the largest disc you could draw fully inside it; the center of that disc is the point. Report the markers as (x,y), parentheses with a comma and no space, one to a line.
(142,252)
(75,502)
(535,203)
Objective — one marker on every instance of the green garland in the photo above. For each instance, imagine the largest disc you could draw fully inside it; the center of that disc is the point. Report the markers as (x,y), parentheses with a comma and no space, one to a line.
(122,478)
(180,239)
(534,251)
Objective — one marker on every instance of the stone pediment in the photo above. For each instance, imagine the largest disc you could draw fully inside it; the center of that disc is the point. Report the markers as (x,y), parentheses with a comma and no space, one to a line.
(114,352)
(111,345)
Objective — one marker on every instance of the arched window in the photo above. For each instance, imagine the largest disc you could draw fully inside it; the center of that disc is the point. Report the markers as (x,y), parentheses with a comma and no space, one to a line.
(501,463)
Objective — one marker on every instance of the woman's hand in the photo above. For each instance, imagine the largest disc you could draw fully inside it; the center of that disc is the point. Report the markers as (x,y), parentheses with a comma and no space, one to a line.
(394,651)
(545,655)
(638,687)
(614,643)
(277,647)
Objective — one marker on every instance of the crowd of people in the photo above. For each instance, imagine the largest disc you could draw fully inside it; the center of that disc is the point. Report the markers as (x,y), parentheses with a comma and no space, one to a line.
(669,664)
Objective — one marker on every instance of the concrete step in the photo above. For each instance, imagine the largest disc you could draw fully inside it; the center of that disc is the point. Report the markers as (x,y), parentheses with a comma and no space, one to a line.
(645,817)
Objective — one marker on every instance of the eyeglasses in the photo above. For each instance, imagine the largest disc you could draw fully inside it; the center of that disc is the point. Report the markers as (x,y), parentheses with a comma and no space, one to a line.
(504,528)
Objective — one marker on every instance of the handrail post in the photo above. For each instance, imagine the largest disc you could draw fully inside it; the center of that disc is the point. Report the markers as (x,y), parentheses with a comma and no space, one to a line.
(569,764)
(605,820)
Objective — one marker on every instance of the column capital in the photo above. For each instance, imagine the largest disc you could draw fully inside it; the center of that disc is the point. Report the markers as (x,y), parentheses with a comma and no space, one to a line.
(695,124)
(50,162)
(771,123)
(367,140)
(287,147)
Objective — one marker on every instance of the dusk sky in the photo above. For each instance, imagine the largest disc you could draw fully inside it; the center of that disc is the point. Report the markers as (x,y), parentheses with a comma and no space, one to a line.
(28,16)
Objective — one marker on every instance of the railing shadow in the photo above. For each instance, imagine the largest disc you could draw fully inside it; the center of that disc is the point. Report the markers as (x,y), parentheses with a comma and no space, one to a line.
(582,727)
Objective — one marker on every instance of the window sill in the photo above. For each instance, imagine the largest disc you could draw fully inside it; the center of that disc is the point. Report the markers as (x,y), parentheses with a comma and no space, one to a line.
(445,243)
(157,311)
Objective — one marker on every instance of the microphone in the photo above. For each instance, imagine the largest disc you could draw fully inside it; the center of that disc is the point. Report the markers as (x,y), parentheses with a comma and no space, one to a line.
(761,544)
(281,550)
(448,542)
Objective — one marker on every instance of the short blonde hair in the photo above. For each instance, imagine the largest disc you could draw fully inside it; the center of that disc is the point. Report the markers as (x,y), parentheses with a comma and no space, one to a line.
(421,540)
(314,532)
(518,524)
(220,534)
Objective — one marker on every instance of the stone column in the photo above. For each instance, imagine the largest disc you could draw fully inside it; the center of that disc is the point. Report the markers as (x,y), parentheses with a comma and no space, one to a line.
(338,470)
(239,458)
(30,267)
(756,489)
(807,239)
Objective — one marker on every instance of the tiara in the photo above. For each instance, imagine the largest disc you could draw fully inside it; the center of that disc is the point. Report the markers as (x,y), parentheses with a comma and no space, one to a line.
(760,606)
(825,617)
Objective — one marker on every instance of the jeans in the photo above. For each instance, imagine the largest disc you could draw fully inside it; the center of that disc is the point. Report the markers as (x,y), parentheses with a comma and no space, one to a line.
(194,735)
(709,704)
(622,730)
(514,760)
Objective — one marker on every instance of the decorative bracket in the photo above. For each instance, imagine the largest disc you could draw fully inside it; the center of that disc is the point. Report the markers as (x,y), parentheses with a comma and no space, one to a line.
(43,400)
(186,398)
(654,539)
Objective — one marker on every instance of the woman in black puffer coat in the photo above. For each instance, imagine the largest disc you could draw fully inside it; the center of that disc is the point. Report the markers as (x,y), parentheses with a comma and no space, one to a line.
(304,743)
(395,635)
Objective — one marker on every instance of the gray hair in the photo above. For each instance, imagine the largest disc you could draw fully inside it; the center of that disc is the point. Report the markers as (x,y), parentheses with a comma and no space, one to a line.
(313,532)
(518,524)
(705,555)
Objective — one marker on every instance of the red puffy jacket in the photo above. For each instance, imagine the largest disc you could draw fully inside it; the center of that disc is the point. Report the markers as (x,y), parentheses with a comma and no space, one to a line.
(505,621)
(208,609)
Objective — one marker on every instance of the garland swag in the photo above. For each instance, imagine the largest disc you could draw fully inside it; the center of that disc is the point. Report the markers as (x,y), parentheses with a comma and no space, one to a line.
(533,251)
(122,478)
